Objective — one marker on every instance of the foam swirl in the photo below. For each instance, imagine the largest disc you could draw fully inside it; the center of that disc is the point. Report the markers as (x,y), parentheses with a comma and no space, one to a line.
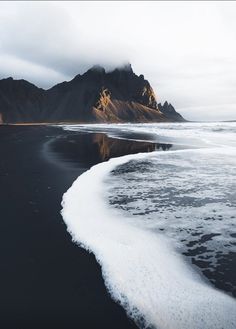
(140,268)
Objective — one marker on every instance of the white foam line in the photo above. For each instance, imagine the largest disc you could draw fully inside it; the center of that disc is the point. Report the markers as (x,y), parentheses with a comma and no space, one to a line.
(177,133)
(140,268)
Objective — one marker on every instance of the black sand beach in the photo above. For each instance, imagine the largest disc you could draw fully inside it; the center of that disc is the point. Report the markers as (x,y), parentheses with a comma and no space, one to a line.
(46,280)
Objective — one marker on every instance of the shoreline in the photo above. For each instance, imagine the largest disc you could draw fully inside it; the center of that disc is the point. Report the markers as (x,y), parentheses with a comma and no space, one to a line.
(96,123)
(106,232)
(47,280)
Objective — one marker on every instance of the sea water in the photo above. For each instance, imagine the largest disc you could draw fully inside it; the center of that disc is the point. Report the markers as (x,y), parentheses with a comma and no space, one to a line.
(160,221)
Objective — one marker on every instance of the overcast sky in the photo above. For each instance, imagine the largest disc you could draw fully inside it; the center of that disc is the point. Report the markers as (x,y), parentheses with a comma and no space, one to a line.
(187,50)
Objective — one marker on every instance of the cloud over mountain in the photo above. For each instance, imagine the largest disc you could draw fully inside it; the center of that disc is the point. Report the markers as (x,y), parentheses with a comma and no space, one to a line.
(186,50)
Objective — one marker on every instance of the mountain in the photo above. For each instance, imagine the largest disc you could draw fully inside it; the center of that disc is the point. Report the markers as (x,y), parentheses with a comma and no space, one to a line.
(169,111)
(95,96)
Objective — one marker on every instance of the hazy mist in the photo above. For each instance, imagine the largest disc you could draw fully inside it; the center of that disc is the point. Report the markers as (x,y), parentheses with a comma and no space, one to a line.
(187,50)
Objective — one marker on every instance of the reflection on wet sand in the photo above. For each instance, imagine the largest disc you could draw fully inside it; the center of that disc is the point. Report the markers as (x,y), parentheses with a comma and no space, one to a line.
(110,147)
(90,149)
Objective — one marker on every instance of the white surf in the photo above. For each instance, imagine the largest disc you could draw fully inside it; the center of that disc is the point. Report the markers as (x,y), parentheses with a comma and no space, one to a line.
(141,269)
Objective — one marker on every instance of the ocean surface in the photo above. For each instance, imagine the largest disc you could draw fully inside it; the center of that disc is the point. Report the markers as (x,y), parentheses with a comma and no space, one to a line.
(162,224)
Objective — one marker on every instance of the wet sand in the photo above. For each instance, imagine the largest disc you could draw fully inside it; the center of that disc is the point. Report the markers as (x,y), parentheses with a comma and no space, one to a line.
(46,280)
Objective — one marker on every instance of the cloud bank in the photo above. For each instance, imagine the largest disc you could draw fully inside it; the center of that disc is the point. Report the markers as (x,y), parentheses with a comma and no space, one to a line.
(187,50)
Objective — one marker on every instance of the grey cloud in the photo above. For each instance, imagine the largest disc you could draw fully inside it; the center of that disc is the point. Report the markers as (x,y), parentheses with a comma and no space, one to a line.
(189,64)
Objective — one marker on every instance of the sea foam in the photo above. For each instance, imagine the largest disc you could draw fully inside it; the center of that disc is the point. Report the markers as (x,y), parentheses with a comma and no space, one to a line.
(189,134)
(140,268)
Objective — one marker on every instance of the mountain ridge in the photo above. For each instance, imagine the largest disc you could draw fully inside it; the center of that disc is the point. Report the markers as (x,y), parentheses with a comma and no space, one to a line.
(95,96)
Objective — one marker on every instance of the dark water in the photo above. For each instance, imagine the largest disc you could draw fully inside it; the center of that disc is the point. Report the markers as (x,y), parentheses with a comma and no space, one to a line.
(189,196)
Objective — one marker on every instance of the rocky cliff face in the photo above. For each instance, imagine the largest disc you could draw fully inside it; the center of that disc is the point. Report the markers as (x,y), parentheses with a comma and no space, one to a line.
(95,96)
(169,111)
(20,101)
(104,99)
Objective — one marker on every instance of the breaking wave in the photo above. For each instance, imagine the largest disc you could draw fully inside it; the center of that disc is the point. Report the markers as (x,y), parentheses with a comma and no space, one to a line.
(139,214)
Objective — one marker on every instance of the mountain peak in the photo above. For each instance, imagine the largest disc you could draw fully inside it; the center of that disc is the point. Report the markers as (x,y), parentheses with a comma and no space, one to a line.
(123,68)
(95,96)
(169,111)
(97,68)
(100,69)
(126,67)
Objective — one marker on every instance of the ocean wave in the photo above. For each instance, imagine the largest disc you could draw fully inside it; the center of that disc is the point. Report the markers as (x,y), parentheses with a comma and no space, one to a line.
(141,268)
(188,197)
